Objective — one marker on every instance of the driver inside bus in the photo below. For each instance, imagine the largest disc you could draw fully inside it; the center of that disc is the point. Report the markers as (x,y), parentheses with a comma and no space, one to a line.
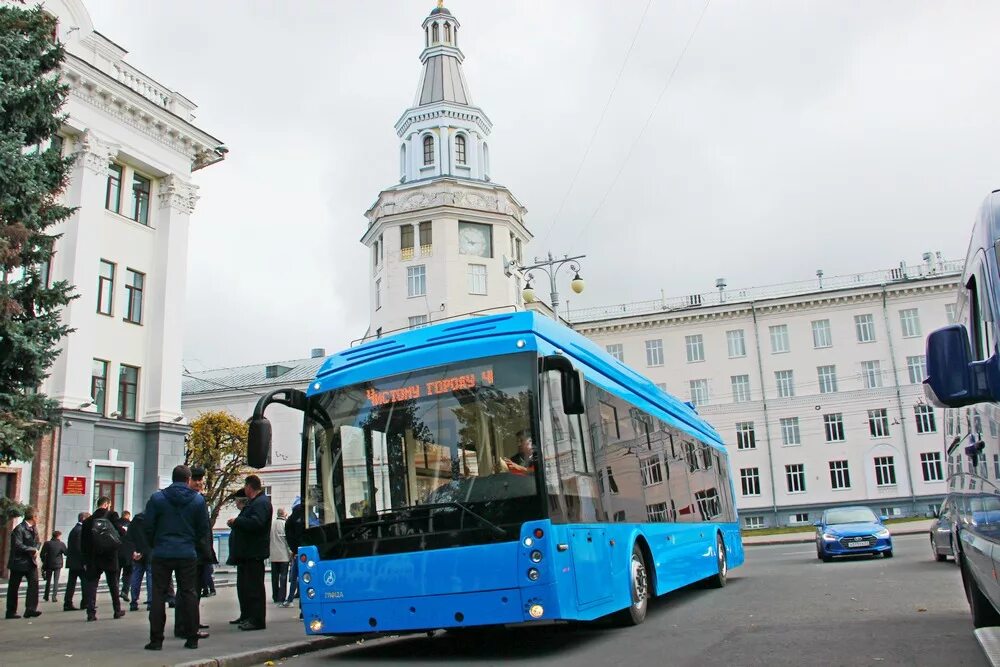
(524,461)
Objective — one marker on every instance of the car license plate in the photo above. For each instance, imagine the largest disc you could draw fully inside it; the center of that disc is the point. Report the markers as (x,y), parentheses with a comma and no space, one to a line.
(862,543)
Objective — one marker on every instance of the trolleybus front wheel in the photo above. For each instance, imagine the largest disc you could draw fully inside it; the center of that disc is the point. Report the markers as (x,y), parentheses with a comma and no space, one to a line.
(635,613)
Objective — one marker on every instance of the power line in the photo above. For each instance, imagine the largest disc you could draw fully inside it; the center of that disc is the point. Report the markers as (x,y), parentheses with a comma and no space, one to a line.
(649,118)
(600,121)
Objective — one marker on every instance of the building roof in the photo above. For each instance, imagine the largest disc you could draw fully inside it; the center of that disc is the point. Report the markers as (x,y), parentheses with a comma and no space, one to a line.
(256,375)
(443,81)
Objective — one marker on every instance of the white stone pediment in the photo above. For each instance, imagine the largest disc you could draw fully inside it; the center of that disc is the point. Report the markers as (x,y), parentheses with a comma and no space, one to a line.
(457,195)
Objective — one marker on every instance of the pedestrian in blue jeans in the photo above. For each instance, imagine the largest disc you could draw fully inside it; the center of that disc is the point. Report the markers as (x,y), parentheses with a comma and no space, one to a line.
(141,568)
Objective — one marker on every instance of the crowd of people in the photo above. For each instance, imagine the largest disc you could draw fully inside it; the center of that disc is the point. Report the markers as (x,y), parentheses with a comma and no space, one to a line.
(170,547)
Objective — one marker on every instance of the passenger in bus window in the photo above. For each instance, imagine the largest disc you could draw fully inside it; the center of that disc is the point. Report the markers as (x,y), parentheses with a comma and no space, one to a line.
(524,460)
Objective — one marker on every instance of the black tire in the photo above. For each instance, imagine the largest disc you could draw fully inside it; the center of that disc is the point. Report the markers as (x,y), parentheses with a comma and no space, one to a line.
(823,555)
(887,554)
(938,556)
(638,586)
(819,552)
(984,615)
(718,580)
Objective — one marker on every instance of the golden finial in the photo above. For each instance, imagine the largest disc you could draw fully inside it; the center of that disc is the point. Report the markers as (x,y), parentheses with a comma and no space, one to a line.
(440,4)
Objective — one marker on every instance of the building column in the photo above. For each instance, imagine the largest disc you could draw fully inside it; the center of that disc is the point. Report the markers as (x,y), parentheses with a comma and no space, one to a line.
(444,140)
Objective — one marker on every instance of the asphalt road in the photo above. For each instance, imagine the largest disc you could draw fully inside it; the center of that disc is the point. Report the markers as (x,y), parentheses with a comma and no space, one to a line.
(784,607)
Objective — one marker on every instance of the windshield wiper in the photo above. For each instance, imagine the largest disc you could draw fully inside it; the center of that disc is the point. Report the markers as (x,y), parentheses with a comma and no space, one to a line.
(497,530)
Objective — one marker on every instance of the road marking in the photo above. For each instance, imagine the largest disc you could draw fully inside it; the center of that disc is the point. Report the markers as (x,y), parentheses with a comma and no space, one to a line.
(796,553)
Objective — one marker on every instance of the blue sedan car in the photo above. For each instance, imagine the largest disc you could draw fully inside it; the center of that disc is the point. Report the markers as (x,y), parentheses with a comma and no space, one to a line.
(851,531)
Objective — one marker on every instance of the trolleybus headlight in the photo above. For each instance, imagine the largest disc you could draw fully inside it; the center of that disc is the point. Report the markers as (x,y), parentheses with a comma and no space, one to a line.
(533,574)
(315,625)
(536,611)
(311,564)
(306,578)
(536,556)
(528,541)
(311,592)
(539,532)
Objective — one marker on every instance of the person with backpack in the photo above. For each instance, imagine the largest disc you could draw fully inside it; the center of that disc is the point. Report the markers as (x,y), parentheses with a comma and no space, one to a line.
(100,539)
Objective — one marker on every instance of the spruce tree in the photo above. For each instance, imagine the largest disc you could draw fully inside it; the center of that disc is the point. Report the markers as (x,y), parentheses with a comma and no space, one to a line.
(32,176)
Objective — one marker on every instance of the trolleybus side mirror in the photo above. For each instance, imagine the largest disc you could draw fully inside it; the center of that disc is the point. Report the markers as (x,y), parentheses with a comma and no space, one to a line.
(953,379)
(258,442)
(569,382)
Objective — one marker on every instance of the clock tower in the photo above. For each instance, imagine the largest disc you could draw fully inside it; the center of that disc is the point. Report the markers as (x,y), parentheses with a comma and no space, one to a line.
(439,238)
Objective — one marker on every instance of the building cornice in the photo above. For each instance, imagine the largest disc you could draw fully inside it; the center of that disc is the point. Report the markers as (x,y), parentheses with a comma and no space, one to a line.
(448,110)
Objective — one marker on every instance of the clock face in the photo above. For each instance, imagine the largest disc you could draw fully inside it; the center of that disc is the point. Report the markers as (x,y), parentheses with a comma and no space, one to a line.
(474,239)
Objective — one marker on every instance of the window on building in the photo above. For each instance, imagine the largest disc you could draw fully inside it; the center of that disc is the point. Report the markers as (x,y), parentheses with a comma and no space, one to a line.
(864,327)
(890,511)
(435,34)
(99,385)
(375,256)
(800,517)
(790,431)
(105,287)
(827,379)
(996,466)
(656,512)
(699,392)
(128,391)
(885,470)
(736,343)
(751,522)
(140,199)
(750,481)
(426,237)
(821,333)
(416,280)
(113,194)
(741,388)
(930,465)
(612,484)
(795,477)
(378,294)
(785,383)
(651,471)
(460,149)
(833,427)
(616,350)
(916,368)
(654,352)
(909,320)
(695,347)
(109,481)
(878,423)
(429,144)
(477,279)
(447,34)
(951,312)
(662,386)
(406,242)
(418,321)
(745,436)
(924,415)
(871,374)
(779,338)
(134,282)
(840,476)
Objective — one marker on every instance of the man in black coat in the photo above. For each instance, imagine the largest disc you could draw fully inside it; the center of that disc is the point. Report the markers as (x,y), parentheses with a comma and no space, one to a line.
(141,568)
(251,545)
(74,561)
(97,561)
(125,555)
(52,564)
(23,564)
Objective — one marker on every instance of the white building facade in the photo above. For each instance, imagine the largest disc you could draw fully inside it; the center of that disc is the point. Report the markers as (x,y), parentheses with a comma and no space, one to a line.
(438,240)
(815,387)
(118,377)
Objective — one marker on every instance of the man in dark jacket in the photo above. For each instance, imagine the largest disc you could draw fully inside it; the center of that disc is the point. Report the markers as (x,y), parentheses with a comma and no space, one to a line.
(251,545)
(23,564)
(74,561)
(294,528)
(176,520)
(125,555)
(52,564)
(141,567)
(98,560)
(206,555)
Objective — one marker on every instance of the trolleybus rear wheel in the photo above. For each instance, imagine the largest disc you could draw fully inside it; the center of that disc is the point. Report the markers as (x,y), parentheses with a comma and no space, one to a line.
(718,580)
(635,613)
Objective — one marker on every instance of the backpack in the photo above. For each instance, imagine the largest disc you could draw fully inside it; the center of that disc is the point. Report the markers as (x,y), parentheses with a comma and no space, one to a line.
(105,537)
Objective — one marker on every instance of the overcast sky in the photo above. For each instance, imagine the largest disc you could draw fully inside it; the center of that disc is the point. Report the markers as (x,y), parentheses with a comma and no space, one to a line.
(794,136)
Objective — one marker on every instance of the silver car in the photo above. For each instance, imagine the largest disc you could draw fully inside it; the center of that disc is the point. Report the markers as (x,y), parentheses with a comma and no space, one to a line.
(942,530)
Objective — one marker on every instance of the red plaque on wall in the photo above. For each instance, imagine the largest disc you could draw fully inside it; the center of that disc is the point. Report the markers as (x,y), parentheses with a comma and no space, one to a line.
(74,486)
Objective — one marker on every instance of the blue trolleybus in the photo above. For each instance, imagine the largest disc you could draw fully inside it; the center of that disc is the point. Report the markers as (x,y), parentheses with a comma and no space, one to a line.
(499,470)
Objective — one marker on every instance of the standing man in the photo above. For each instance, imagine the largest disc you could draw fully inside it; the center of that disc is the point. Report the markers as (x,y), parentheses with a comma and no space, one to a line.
(74,561)
(279,559)
(176,521)
(251,544)
(99,543)
(23,564)
(52,564)
(206,555)
(125,554)
(141,567)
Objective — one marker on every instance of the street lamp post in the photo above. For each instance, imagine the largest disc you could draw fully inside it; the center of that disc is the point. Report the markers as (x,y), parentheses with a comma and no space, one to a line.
(551,267)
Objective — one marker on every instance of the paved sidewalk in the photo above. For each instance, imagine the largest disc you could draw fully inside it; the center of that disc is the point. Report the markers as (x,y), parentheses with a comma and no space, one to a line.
(809,535)
(58,637)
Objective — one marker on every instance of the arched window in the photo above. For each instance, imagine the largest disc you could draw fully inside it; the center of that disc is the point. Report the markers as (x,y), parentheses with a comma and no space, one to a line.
(447,32)
(460,149)
(402,161)
(434,34)
(428,150)
(427,37)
